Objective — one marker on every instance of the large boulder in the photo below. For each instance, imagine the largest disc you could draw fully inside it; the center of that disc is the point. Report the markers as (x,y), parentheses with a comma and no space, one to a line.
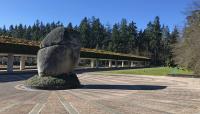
(59,53)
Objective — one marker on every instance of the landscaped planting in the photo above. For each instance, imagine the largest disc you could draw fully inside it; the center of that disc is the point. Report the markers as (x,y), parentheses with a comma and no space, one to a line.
(158,71)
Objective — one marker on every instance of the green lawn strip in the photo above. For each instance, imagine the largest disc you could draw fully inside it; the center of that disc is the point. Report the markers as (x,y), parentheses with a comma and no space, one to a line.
(158,71)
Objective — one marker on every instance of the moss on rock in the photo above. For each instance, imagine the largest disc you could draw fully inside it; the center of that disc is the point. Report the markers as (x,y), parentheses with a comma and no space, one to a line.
(64,81)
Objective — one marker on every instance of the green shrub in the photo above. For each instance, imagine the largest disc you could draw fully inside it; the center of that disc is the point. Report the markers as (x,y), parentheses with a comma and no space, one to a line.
(57,82)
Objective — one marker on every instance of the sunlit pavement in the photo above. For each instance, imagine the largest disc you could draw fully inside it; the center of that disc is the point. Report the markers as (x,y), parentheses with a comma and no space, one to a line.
(104,94)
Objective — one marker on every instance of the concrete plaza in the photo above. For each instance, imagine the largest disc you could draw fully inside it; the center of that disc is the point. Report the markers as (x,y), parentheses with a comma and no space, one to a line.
(103,94)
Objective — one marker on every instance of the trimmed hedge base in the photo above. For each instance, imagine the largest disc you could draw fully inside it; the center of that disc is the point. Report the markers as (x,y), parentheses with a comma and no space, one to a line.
(64,81)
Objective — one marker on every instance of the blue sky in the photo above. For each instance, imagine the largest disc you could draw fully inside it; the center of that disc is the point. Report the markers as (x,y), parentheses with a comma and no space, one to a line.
(109,11)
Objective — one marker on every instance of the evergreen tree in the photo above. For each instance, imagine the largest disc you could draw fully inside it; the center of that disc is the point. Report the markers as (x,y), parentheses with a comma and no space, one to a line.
(157,35)
(42,32)
(36,31)
(107,38)
(1,32)
(97,32)
(85,33)
(166,45)
(20,31)
(115,38)
(11,30)
(148,37)
(174,36)
(173,41)
(154,41)
(4,31)
(69,26)
(142,44)
(47,28)
(27,34)
(132,31)
(153,33)
(123,46)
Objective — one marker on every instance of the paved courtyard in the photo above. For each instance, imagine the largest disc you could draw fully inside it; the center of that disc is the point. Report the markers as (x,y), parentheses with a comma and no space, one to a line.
(104,94)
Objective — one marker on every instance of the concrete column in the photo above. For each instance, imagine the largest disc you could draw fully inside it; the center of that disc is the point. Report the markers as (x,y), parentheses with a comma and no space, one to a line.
(122,63)
(97,63)
(146,63)
(106,64)
(10,63)
(92,63)
(22,62)
(129,63)
(110,63)
(132,64)
(116,64)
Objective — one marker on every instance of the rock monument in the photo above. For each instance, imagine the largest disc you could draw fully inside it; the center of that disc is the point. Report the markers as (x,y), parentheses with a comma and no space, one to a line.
(58,55)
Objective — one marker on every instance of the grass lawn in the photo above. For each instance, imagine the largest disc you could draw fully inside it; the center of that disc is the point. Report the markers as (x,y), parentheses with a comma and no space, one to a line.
(158,71)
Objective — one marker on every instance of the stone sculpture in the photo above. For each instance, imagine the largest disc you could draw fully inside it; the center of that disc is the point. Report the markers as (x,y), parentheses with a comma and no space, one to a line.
(58,55)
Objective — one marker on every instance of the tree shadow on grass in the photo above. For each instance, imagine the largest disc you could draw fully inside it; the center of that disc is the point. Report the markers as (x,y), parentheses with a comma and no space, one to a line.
(184,75)
(123,87)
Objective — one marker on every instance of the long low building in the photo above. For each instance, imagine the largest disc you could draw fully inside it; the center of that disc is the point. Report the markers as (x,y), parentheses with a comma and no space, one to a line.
(17,46)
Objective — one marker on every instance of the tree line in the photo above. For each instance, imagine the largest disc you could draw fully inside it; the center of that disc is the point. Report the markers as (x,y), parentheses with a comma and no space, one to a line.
(155,41)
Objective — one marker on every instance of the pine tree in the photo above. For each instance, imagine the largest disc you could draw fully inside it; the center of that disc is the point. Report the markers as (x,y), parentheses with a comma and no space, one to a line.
(11,30)
(1,32)
(142,44)
(154,36)
(166,46)
(85,33)
(106,43)
(115,38)
(132,31)
(153,41)
(124,37)
(157,38)
(4,31)
(173,41)
(47,28)
(69,26)
(36,30)
(148,38)
(24,32)
(28,33)
(20,31)
(174,36)
(97,32)
(42,32)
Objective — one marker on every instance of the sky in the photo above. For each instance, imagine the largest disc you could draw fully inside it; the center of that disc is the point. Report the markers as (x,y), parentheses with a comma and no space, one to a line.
(171,12)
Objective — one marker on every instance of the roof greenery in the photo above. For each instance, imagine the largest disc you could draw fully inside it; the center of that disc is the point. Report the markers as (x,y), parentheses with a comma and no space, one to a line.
(23,46)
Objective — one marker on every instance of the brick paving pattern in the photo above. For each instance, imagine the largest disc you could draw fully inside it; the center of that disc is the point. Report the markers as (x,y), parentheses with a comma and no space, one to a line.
(104,94)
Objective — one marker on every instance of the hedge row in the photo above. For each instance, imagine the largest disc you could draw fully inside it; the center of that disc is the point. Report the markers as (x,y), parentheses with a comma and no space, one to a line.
(18,49)
(20,41)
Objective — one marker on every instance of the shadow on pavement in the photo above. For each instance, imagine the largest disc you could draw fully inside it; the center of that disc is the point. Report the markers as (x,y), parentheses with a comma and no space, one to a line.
(23,75)
(123,87)
(13,78)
